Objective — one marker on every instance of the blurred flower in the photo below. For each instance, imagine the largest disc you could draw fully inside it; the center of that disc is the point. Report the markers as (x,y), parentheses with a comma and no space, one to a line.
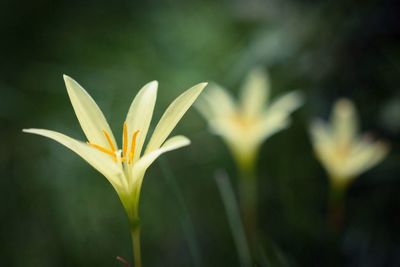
(124,168)
(344,153)
(245,125)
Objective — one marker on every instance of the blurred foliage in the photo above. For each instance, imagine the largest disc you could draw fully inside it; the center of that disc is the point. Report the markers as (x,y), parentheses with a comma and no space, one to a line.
(57,211)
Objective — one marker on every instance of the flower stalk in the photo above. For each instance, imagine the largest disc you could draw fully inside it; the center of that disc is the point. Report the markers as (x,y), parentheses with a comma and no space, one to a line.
(244,125)
(248,196)
(125,168)
(135,236)
(344,154)
(336,206)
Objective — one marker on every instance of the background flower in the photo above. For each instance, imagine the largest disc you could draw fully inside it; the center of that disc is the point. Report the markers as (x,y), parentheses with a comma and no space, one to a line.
(57,212)
(343,152)
(246,124)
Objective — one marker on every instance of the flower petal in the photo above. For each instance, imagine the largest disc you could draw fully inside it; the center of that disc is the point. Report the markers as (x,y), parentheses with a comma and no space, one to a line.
(90,117)
(140,114)
(255,91)
(286,103)
(172,115)
(139,168)
(100,161)
(366,155)
(322,140)
(344,121)
(171,144)
(271,124)
(219,101)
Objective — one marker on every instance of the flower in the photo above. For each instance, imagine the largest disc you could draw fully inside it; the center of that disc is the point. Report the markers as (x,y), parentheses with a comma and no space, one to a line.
(341,150)
(245,125)
(124,168)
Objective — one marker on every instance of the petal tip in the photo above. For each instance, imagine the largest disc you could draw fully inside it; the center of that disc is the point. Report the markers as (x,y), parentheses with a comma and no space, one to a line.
(66,77)
(153,83)
(68,81)
(185,141)
(199,87)
(203,84)
(29,130)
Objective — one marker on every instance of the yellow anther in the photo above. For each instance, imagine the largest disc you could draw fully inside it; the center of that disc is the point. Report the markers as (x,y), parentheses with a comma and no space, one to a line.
(133,146)
(109,141)
(125,139)
(104,150)
(112,151)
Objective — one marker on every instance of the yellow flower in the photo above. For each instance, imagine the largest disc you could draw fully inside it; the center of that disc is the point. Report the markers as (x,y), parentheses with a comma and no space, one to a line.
(339,147)
(245,125)
(124,168)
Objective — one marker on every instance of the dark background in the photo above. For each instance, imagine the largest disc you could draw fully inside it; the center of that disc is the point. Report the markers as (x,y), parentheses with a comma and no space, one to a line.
(58,211)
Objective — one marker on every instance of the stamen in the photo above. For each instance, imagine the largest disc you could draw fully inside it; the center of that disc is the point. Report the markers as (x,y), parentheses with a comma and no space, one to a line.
(125,139)
(133,146)
(109,141)
(102,149)
(123,155)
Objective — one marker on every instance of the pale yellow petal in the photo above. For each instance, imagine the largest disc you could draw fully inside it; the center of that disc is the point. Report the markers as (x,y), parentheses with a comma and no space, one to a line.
(140,114)
(204,109)
(139,168)
(344,121)
(218,108)
(228,130)
(271,124)
(99,160)
(323,143)
(255,92)
(320,133)
(219,102)
(172,115)
(90,117)
(276,117)
(287,103)
(171,144)
(366,156)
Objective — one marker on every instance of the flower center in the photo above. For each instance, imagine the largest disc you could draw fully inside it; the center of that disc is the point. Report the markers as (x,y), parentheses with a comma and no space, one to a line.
(243,122)
(112,150)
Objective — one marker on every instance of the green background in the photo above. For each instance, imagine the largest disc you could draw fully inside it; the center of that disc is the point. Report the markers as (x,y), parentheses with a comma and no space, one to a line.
(58,211)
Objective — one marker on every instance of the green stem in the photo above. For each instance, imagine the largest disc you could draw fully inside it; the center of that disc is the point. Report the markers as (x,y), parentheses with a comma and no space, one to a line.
(336,207)
(248,199)
(248,205)
(187,222)
(135,235)
(233,214)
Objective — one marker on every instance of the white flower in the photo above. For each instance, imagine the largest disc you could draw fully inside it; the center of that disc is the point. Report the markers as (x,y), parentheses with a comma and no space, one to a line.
(341,150)
(245,125)
(124,168)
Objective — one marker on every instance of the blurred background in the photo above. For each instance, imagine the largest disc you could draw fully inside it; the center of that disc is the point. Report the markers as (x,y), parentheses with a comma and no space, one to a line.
(56,210)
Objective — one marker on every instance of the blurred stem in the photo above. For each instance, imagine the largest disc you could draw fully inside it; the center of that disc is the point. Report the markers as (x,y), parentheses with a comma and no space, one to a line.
(186,220)
(232,211)
(248,200)
(336,206)
(135,235)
